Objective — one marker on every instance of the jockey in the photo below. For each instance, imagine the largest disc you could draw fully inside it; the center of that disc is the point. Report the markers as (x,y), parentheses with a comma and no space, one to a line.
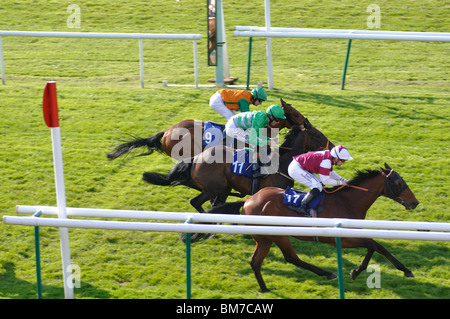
(245,127)
(304,166)
(226,102)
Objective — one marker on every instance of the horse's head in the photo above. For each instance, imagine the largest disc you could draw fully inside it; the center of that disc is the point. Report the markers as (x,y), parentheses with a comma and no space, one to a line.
(293,117)
(397,189)
(316,140)
(304,138)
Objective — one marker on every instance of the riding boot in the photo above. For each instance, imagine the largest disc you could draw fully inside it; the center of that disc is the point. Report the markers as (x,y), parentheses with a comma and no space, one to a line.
(255,174)
(256,169)
(307,199)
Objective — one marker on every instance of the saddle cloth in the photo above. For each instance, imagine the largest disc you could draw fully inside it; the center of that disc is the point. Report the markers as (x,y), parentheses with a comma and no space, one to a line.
(293,199)
(213,133)
(241,163)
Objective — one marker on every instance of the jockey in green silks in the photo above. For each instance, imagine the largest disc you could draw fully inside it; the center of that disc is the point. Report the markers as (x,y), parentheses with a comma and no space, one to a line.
(247,127)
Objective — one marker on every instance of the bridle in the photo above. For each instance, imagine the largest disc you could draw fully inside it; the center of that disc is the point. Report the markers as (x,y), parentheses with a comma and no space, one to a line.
(389,190)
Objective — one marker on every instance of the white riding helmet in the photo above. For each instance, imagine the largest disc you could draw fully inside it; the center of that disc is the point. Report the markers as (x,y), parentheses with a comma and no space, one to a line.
(340,152)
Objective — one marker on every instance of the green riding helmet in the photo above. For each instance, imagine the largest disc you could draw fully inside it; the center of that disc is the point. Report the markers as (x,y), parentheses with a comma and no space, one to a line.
(276,111)
(259,93)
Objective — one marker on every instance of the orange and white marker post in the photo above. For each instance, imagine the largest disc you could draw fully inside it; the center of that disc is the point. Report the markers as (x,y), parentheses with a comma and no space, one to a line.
(50,109)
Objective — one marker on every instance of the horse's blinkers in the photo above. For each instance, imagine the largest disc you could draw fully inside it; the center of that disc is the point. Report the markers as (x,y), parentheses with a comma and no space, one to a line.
(395,185)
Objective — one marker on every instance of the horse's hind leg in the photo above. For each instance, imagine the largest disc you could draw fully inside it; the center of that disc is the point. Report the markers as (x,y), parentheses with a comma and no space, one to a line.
(197,203)
(372,246)
(199,200)
(261,251)
(289,254)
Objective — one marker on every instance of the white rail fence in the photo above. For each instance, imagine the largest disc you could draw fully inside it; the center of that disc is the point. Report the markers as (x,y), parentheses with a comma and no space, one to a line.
(247,31)
(274,32)
(138,36)
(252,225)
(262,225)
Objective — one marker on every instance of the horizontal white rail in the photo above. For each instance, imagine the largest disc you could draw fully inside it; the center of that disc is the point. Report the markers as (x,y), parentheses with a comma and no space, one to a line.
(101,35)
(139,36)
(226,229)
(236,219)
(344,35)
(423,227)
(340,31)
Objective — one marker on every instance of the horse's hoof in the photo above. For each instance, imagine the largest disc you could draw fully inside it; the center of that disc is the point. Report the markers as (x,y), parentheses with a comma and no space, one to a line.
(265,290)
(209,236)
(331,276)
(409,274)
(195,237)
(354,274)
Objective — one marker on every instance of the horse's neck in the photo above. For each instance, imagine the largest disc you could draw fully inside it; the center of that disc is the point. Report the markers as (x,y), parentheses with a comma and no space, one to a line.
(286,159)
(359,201)
(297,148)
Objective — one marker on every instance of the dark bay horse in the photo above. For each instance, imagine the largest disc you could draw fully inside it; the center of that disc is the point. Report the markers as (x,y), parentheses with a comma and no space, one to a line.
(349,202)
(215,180)
(167,141)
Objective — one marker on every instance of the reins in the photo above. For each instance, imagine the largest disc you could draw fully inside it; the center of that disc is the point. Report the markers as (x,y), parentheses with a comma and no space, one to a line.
(352,186)
(387,187)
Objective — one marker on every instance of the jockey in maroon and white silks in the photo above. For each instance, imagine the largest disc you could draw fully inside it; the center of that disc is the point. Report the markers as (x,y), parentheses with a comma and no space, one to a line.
(304,167)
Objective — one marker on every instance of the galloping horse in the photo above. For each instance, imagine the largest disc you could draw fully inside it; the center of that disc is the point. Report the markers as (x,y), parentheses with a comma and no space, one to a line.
(215,179)
(351,202)
(167,140)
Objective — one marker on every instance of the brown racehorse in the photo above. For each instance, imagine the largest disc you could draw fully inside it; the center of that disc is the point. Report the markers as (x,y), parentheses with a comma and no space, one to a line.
(349,202)
(166,141)
(216,181)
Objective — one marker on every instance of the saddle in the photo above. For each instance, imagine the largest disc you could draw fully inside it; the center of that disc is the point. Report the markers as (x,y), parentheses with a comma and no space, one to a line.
(242,165)
(293,199)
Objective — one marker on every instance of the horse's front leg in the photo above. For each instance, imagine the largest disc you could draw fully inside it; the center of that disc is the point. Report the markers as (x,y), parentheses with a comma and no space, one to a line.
(262,249)
(372,246)
(355,272)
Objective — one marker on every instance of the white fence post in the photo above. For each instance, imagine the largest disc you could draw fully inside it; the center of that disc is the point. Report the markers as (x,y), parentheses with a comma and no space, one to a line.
(2,64)
(195,64)
(268,45)
(141,61)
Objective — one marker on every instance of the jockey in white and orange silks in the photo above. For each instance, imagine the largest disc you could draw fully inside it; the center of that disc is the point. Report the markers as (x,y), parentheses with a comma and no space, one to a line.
(304,167)
(227,102)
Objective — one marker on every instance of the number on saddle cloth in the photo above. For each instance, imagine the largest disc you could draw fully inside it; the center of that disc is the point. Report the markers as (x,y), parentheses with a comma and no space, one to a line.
(294,198)
(241,163)
(213,133)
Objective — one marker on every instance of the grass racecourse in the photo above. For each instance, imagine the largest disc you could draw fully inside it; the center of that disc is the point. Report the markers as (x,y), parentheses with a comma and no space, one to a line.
(395,109)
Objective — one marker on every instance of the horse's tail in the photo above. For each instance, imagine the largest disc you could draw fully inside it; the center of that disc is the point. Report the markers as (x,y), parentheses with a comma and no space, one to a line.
(179,174)
(152,143)
(227,208)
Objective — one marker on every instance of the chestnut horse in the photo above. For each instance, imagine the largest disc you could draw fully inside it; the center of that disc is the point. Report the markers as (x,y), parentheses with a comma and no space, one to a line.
(215,179)
(351,201)
(166,141)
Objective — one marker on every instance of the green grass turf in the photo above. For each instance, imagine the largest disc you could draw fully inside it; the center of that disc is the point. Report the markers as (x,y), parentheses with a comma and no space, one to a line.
(395,109)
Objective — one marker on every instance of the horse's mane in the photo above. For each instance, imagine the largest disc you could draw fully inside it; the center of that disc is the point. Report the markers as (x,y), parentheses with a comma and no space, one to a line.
(290,136)
(360,177)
